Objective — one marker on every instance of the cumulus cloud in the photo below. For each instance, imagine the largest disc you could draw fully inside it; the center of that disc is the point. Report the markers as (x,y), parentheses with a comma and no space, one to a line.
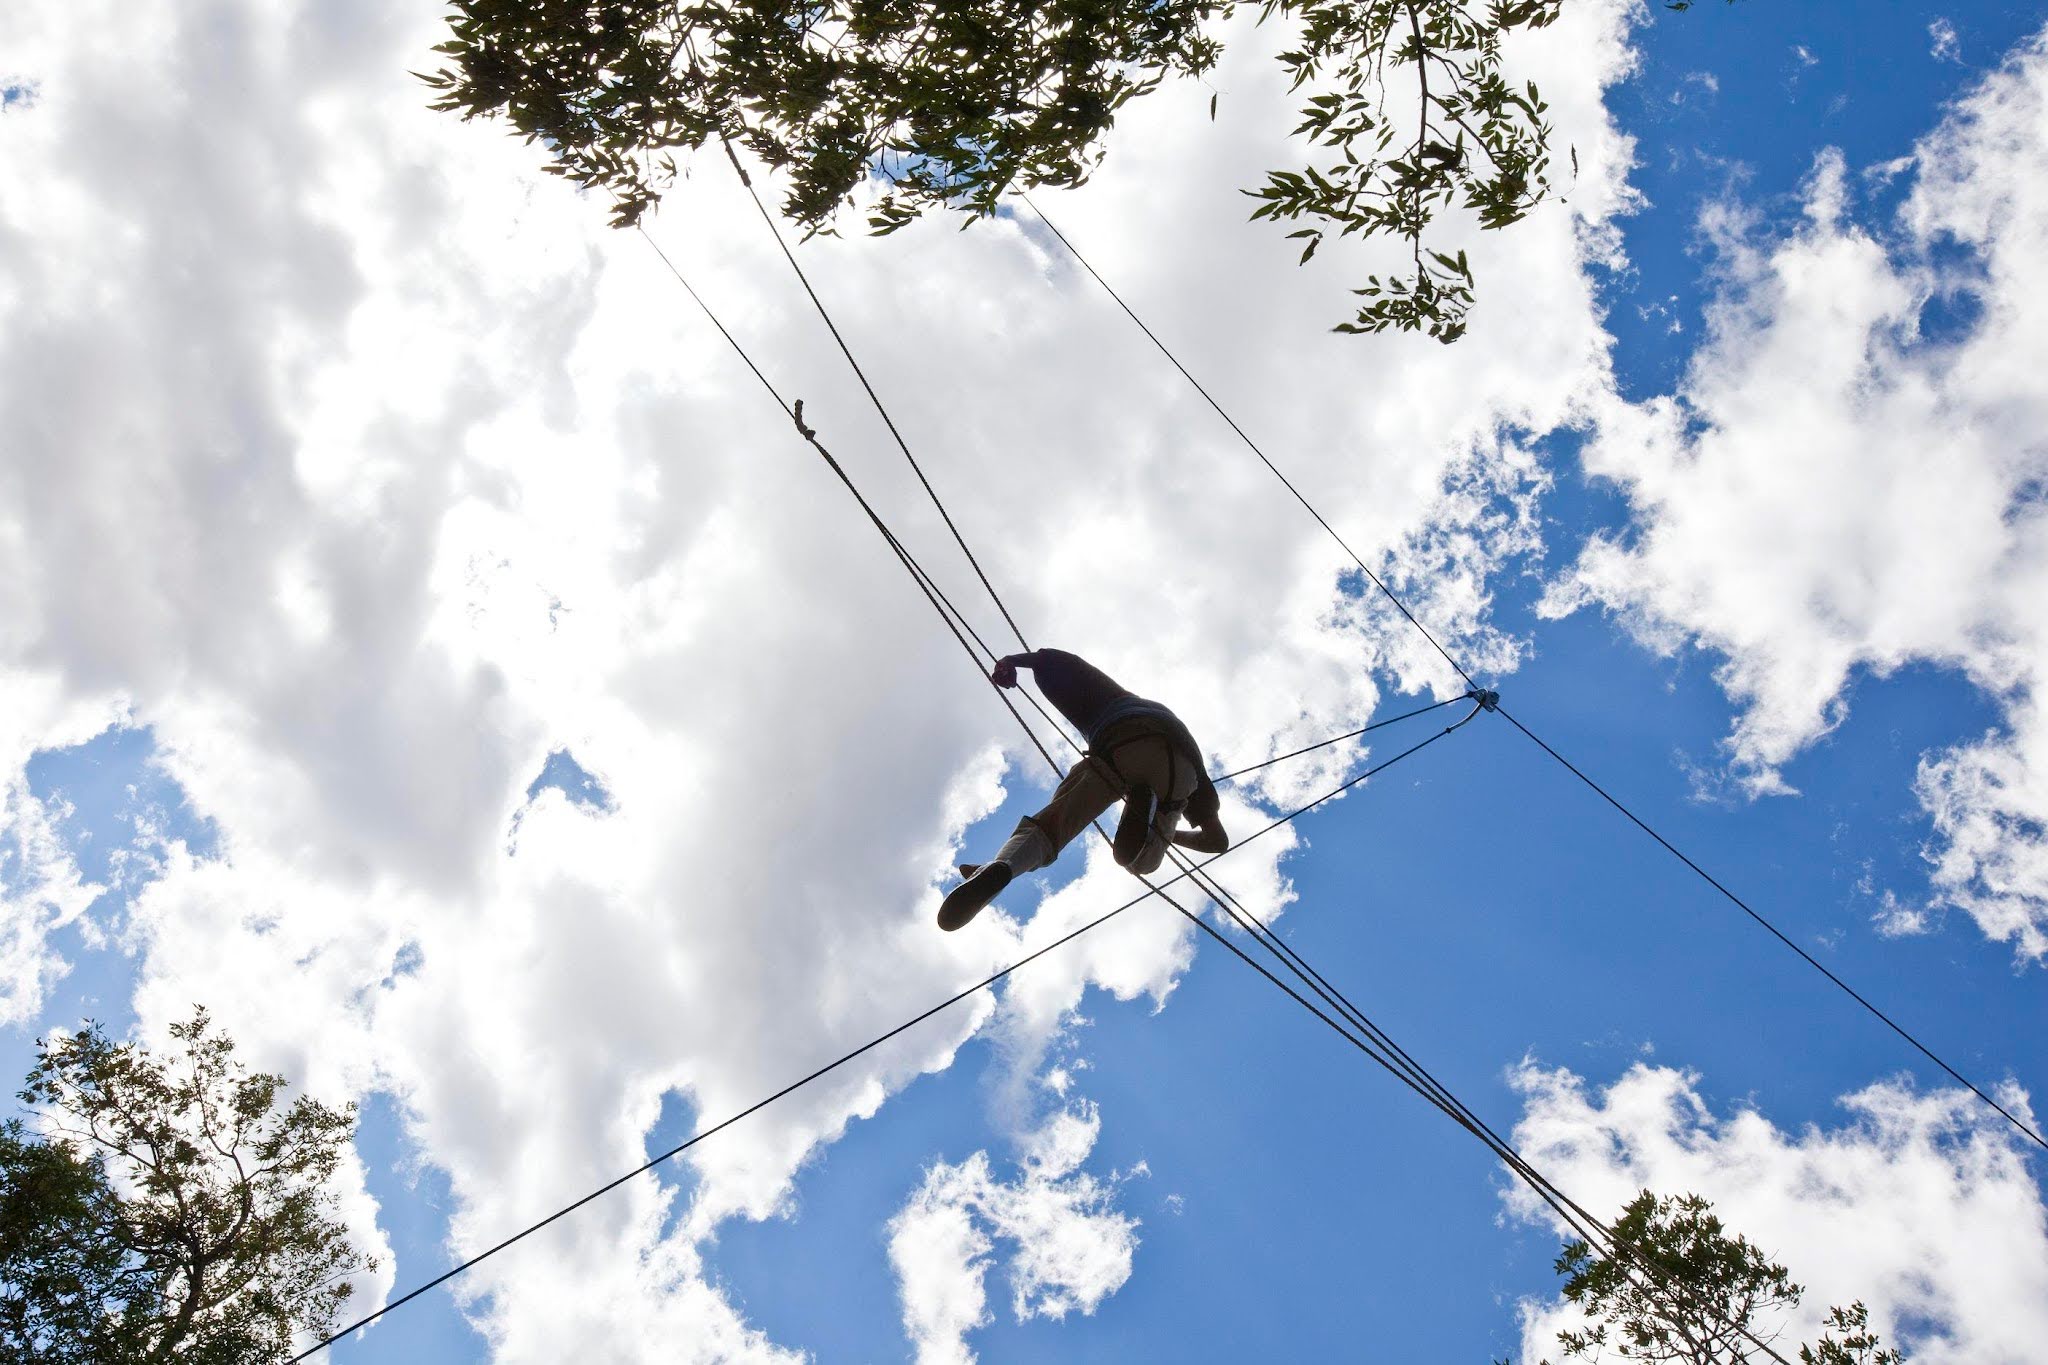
(1919,1205)
(1068,1247)
(1849,481)
(356,459)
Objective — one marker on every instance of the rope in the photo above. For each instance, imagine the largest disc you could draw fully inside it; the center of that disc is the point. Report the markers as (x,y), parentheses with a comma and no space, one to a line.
(1588,1227)
(896,434)
(1339,739)
(748,182)
(1449,1104)
(1407,1070)
(955,620)
(1222,895)
(1251,445)
(1778,934)
(957,625)
(1397,1060)
(860,1051)
(1886,1019)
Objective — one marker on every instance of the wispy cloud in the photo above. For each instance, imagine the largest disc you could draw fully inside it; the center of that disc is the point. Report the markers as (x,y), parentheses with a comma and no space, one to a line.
(1946,46)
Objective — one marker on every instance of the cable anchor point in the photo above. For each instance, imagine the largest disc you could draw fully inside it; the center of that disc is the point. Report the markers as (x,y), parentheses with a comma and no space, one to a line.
(1488,699)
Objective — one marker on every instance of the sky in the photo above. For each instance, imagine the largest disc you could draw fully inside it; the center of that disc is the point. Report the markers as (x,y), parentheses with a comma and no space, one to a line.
(423,646)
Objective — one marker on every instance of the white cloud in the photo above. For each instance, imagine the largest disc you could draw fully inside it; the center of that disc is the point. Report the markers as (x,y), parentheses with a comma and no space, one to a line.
(41,891)
(1946,47)
(1695,82)
(1835,491)
(356,458)
(1069,1248)
(939,1253)
(1920,1206)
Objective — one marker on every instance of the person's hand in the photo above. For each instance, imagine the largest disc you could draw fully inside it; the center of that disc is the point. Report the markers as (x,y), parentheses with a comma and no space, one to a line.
(1004,674)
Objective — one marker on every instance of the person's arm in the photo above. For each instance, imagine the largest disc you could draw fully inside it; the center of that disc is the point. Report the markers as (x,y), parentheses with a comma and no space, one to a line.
(1004,674)
(1077,689)
(1204,811)
(1208,836)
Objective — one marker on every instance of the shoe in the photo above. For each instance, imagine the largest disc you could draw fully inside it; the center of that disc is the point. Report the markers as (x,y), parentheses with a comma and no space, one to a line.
(968,869)
(966,900)
(1140,808)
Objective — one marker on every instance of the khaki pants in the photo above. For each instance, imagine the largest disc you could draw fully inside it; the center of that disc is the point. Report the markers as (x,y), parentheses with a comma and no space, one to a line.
(1126,755)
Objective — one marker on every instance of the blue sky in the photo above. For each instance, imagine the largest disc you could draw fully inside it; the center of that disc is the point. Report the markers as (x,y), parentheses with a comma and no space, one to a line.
(1479,906)
(1483,907)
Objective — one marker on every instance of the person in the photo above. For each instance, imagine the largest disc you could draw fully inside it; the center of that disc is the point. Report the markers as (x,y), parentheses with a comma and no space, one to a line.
(1138,752)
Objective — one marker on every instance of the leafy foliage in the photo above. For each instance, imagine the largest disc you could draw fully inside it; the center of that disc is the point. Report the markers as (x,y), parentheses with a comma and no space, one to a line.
(951,103)
(176,1212)
(1717,1285)
(1680,1288)
(1469,133)
(952,106)
(1858,1344)
(59,1272)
